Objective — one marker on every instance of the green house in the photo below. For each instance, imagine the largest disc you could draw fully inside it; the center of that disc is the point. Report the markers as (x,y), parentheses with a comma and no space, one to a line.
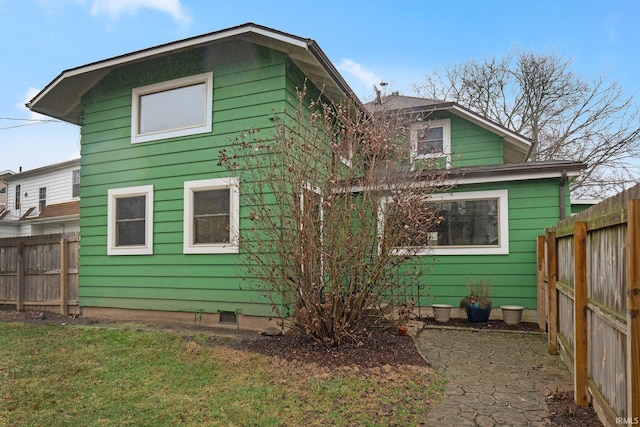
(498,205)
(161,221)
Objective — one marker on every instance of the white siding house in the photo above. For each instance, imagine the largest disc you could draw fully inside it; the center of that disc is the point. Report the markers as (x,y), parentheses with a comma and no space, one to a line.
(3,189)
(45,200)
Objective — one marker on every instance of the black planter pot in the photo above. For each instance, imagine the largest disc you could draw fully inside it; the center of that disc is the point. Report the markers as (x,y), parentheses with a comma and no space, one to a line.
(477,314)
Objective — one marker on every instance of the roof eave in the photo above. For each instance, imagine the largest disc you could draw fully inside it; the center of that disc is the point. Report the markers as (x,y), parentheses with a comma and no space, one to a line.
(62,97)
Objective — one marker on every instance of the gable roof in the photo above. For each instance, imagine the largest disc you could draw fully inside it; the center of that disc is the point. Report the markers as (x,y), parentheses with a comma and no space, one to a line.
(44,169)
(410,104)
(61,98)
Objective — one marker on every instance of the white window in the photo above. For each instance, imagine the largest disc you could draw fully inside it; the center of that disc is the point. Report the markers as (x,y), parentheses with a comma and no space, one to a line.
(17,199)
(472,223)
(75,183)
(430,140)
(170,109)
(130,221)
(42,198)
(211,216)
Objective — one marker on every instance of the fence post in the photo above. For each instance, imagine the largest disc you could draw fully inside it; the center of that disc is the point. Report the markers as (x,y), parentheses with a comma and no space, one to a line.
(633,308)
(540,267)
(552,267)
(63,276)
(20,278)
(580,367)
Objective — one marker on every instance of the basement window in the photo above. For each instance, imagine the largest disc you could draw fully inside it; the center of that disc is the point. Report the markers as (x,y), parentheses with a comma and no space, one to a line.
(228,317)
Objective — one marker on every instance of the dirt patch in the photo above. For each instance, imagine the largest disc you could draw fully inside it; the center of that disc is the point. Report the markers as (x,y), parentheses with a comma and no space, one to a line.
(564,412)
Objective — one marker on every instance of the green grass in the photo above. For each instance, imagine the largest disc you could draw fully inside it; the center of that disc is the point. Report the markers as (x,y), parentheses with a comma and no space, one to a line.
(127,375)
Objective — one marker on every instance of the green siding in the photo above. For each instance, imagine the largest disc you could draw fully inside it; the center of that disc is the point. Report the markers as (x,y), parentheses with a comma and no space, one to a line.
(533,206)
(471,145)
(250,83)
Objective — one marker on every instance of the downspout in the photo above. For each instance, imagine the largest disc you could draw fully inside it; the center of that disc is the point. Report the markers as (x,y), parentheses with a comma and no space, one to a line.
(563,208)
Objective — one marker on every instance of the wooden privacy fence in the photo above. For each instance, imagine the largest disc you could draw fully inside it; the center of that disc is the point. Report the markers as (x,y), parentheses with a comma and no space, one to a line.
(589,297)
(40,273)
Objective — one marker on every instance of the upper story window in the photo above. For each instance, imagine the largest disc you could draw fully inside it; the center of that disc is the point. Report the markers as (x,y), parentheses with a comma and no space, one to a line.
(211,216)
(17,199)
(174,108)
(130,221)
(472,223)
(75,183)
(431,139)
(42,198)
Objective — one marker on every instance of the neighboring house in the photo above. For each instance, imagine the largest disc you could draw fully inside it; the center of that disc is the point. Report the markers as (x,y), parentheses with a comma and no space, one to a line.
(579,205)
(497,208)
(42,201)
(153,124)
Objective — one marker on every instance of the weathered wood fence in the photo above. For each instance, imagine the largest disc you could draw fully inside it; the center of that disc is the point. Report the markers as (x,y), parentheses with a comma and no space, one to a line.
(589,298)
(40,273)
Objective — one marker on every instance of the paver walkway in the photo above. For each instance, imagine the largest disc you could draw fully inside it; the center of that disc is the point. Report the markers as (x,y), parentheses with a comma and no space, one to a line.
(495,378)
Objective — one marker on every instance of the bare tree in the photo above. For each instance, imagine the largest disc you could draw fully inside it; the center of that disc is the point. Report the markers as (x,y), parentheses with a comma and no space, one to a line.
(319,248)
(566,117)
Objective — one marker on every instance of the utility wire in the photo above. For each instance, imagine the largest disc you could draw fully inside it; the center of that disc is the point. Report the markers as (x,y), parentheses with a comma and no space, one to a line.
(32,122)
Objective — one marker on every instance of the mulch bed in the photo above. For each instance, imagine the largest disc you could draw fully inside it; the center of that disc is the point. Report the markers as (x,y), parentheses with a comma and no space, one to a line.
(381,347)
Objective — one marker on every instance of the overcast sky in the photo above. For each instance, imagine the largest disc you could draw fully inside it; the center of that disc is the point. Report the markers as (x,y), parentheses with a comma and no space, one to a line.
(398,42)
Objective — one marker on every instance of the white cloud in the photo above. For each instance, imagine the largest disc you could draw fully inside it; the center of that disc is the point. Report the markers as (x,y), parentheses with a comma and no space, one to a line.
(114,8)
(367,77)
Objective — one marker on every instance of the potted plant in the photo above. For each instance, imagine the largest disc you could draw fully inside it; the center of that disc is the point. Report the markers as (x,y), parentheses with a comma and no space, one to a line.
(478,303)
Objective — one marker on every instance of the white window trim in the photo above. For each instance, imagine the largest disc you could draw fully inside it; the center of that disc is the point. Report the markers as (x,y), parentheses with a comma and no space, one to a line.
(234,218)
(446,140)
(137,93)
(115,193)
(503,226)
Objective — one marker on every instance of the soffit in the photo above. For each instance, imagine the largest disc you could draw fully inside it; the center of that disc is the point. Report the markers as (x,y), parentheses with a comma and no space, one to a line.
(62,97)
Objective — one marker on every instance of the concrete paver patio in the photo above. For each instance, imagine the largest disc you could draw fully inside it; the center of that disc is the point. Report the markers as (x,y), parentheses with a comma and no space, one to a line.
(495,378)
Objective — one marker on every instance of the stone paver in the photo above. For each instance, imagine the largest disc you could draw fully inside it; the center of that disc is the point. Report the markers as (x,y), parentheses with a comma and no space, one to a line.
(495,378)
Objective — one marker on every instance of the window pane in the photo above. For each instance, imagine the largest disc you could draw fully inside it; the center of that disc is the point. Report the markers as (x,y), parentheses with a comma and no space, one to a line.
(468,223)
(178,108)
(430,140)
(211,202)
(211,212)
(462,223)
(75,180)
(130,221)
(211,229)
(130,233)
(130,207)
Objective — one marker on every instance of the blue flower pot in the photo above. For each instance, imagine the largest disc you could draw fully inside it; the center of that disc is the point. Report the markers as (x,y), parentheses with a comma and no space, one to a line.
(477,314)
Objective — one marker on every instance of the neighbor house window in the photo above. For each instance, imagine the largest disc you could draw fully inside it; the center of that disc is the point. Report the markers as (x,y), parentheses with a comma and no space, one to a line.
(130,221)
(170,109)
(17,199)
(75,183)
(469,223)
(211,216)
(42,198)
(430,140)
